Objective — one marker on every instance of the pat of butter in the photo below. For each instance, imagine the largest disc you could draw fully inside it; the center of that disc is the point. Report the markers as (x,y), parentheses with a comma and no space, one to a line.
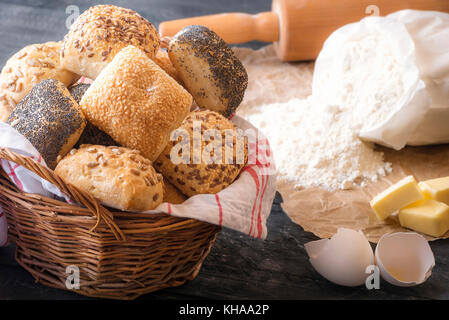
(436,189)
(396,197)
(427,216)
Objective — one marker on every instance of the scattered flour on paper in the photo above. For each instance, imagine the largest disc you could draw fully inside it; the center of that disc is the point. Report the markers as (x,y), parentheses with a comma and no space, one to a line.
(315,143)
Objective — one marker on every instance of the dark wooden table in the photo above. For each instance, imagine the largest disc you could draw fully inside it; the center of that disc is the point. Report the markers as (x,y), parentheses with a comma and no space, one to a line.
(238,267)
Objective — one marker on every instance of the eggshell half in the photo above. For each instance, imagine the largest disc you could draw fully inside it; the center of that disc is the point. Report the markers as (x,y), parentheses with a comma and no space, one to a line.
(404,258)
(342,259)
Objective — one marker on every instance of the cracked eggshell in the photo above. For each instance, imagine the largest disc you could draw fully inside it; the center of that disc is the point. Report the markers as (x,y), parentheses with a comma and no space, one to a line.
(342,259)
(404,258)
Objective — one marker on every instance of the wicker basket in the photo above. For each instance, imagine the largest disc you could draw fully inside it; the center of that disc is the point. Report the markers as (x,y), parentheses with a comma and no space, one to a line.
(120,255)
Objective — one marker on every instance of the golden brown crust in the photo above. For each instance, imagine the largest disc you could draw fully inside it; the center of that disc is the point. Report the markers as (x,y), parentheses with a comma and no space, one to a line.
(136,103)
(209,69)
(119,177)
(27,68)
(172,195)
(203,177)
(50,119)
(100,33)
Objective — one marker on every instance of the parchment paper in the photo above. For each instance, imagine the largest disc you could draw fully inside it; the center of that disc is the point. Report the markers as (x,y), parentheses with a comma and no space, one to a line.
(322,212)
(319,211)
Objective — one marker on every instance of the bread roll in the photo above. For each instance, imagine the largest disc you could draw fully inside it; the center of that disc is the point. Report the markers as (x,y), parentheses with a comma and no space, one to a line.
(135,102)
(172,195)
(78,90)
(91,134)
(100,33)
(50,119)
(27,68)
(162,60)
(209,69)
(119,177)
(194,175)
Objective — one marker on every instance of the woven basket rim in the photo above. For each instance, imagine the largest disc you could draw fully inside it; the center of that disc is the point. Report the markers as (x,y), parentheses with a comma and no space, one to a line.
(88,206)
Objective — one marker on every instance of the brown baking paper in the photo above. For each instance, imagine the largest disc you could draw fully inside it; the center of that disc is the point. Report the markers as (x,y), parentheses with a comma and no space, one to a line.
(323,212)
(319,211)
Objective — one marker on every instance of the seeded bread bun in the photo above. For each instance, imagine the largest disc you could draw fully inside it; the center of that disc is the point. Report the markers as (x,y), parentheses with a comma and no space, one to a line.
(195,174)
(119,177)
(100,33)
(50,119)
(162,60)
(135,102)
(172,195)
(91,134)
(209,69)
(78,90)
(27,68)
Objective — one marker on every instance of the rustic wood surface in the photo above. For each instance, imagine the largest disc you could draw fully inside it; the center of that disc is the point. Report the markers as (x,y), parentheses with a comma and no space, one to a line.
(238,267)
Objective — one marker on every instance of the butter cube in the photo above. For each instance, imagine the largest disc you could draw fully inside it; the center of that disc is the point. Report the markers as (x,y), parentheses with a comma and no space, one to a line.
(436,189)
(427,216)
(396,197)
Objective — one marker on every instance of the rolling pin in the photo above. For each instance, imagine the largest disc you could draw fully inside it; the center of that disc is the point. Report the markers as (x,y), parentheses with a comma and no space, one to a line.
(298,28)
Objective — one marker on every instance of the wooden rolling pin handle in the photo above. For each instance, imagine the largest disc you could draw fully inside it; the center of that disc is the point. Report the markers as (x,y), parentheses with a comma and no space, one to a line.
(232,27)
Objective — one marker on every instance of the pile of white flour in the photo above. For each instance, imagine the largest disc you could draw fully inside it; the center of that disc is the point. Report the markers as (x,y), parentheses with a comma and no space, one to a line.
(315,138)
(314,145)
